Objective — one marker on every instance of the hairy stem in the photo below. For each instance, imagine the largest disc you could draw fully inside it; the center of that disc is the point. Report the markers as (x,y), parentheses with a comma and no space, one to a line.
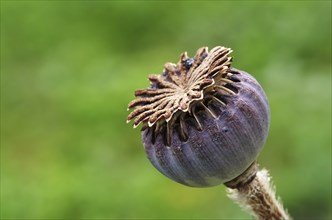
(253,192)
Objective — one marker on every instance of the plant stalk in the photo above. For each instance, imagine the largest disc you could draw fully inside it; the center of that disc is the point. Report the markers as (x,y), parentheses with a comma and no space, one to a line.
(254,192)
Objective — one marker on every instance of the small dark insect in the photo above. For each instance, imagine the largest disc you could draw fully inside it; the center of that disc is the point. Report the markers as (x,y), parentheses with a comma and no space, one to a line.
(188,63)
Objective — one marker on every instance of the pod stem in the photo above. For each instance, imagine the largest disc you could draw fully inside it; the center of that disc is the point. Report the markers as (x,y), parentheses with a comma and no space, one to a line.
(254,192)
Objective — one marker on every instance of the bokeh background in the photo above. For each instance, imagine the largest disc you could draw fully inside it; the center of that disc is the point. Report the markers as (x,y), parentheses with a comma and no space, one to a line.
(69,68)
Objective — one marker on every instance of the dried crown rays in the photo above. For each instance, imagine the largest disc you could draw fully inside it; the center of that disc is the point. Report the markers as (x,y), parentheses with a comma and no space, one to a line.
(180,85)
(204,122)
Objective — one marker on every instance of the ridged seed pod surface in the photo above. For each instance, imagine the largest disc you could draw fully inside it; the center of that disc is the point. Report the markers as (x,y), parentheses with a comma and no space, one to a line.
(211,136)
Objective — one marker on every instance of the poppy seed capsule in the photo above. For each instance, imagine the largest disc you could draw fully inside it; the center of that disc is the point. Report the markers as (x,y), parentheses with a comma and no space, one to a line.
(204,123)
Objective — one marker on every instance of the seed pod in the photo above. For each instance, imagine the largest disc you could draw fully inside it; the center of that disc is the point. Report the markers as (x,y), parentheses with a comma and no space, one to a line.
(204,123)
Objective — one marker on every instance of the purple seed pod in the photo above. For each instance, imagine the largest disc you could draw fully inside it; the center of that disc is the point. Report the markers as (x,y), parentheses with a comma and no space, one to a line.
(204,123)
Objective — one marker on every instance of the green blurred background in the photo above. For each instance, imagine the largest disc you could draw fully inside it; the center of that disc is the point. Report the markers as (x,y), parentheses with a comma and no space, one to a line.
(69,68)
